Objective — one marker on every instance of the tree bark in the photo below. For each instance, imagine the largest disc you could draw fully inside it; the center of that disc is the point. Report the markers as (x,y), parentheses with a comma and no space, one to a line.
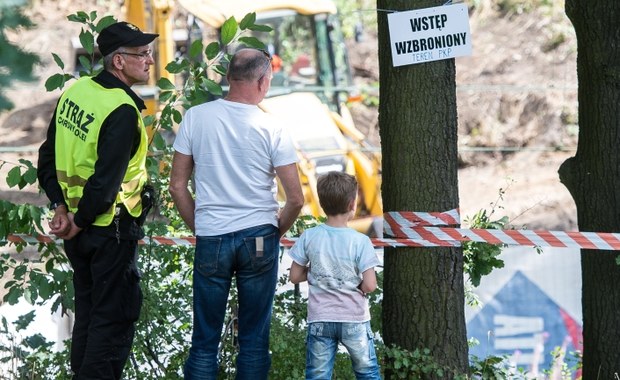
(592,177)
(423,303)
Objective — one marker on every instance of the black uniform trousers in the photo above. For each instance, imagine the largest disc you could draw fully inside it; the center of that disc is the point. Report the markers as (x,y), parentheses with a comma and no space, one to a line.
(107,303)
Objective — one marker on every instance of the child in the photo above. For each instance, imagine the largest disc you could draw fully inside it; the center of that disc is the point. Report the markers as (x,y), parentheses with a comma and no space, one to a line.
(338,263)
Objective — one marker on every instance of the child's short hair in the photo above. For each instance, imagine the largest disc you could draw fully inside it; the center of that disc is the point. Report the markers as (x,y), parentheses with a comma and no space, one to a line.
(336,190)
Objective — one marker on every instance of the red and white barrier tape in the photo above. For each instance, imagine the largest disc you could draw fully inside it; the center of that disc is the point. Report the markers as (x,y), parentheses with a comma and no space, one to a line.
(451,237)
(155,240)
(411,229)
(413,226)
(428,237)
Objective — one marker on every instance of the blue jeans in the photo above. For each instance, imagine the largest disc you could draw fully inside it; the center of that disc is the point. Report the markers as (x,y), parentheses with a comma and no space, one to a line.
(323,338)
(217,260)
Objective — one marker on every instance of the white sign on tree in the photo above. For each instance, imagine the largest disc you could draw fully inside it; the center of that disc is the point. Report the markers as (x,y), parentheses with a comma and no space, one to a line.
(430,34)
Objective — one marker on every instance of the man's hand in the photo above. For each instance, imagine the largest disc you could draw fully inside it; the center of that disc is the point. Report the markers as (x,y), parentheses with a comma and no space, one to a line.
(60,223)
(74,229)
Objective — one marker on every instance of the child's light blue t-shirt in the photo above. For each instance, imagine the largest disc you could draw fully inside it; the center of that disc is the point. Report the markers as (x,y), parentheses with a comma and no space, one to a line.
(337,258)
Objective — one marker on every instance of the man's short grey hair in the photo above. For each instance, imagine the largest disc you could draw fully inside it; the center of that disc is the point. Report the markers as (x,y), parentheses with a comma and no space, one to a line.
(107,60)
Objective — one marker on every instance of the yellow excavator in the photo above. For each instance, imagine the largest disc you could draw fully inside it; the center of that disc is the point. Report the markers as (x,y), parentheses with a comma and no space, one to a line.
(310,88)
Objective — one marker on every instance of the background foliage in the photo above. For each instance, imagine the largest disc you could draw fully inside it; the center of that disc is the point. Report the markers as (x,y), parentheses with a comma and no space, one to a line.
(15,63)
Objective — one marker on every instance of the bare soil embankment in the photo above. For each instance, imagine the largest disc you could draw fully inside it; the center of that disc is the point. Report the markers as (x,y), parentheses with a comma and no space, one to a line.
(517,114)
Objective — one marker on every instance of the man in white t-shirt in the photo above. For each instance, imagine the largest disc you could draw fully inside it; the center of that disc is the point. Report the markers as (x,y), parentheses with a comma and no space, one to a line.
(235,151)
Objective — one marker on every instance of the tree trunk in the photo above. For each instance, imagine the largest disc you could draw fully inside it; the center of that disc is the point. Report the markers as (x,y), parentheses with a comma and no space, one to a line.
(423,303)
(593,177)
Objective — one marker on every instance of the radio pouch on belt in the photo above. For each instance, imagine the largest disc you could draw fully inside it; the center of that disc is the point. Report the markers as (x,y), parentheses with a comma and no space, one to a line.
(148,198)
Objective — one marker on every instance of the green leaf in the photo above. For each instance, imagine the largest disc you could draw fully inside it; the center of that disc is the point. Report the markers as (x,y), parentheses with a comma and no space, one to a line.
(87,40)
(30,176)
(14,177)
(85,62)
(199,98)
(177,67)
(58,61)
(220,69)
(165,120)
(45,290)
(57,274)
(212,50)
(159,142)
(23,321)
(54,82)
(36,341)
(19,272)
(212,86)
(165,84)
(176,116)
(104,23)
(229,30)
(10,284)
(195,49)
(12,297)
(35,213)
(149,120)
(21,210)
(49,265)
(260,28)
(252,42)
(248,19)
(80,17)
(165,114)
(29,296)
(164,96)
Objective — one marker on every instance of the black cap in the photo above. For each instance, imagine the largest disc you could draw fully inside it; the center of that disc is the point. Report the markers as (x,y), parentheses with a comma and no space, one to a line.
(122,34)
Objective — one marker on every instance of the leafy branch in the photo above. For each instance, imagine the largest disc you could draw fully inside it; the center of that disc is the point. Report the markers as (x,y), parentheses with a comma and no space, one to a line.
(481,258)
(160,343)
(15,63)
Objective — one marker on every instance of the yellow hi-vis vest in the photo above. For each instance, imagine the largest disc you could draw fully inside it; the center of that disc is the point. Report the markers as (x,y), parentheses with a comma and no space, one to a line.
(80,113)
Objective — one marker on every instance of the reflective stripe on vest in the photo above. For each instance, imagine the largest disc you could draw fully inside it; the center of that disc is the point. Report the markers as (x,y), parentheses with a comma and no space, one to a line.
(80,113)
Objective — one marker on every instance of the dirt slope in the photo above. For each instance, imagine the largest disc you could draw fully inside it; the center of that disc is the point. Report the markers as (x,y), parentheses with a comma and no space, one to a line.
(517,90)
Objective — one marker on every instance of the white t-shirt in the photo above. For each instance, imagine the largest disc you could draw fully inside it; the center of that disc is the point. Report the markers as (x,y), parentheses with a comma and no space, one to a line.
(337,258)
(236,148)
